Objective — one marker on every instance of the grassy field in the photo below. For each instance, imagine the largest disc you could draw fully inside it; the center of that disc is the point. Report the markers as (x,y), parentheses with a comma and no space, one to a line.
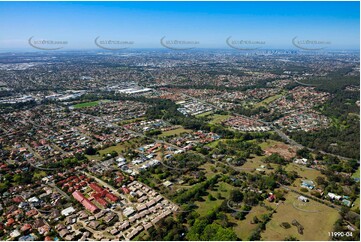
(268,100)
(244,228)
(316,218)
(207,169)
(128,121)
(118,148)
(89,104)
(175,132)
(204,114)
(213,144)
(356,207)
(206,206)
(269,143)
(304,172)
(39,174)
(356,174)
(256,162)
(217,118)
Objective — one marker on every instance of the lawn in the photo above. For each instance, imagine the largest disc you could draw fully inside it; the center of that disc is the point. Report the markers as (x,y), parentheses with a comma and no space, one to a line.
(213,144)
(176,131)
(128,121)
(244,228)
(206,206)
(268,100)
(119,148)
(39,174)
(269,143)
(356,206)
(256,162)
(218,118)
(304,172)
(356,174)
(316,218)
(204,114)
(207,169)
(89,104)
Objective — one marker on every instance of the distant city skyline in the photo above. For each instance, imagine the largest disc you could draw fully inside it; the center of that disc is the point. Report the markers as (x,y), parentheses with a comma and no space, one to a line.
(266,25)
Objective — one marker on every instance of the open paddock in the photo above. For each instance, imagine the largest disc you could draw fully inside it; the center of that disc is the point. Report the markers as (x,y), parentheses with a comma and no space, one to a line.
(316,218)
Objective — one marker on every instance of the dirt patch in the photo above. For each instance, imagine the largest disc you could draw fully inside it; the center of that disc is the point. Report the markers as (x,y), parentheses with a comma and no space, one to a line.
(287,151)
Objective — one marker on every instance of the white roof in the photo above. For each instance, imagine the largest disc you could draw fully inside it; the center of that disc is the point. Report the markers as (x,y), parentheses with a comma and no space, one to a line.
(33,199)
(67,211)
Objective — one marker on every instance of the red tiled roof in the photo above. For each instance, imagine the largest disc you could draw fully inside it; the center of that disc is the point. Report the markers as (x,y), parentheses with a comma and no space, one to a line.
(112,197)
(101,201)
(31,212)
(78,196)
(90,206)
(18,199)
(96,187)
(26,227)
(83,200)
(125,190)
(10,222)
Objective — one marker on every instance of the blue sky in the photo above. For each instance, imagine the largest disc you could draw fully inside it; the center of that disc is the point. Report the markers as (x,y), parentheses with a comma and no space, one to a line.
(210,23)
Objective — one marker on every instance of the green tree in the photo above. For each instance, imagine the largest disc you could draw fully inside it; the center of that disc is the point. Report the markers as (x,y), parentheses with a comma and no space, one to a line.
(215,232)
(236,196)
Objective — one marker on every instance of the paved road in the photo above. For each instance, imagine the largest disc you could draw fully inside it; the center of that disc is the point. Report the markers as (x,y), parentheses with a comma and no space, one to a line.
(59,190)
(33,151)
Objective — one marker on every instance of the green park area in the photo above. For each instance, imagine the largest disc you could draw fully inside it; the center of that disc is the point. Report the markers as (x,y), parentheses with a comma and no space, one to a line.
(205,114)
(214,198)
(89,104)
(176,131)
(218,118)
(119,148)
(317,220)
(356,174)
(304,172)
(244,228)
(268,100)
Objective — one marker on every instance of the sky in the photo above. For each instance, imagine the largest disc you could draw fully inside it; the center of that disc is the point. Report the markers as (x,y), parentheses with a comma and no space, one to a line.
(274,24)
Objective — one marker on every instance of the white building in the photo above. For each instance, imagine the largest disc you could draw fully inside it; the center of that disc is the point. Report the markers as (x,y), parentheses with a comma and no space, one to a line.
(67,211)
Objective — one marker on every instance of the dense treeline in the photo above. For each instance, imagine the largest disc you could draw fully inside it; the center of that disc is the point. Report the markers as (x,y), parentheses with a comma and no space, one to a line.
(342,137)
(240,149)
(334,81)
(340,140)
(194,192)
(341,104)
(6,108)
(167,229)
(259,84)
